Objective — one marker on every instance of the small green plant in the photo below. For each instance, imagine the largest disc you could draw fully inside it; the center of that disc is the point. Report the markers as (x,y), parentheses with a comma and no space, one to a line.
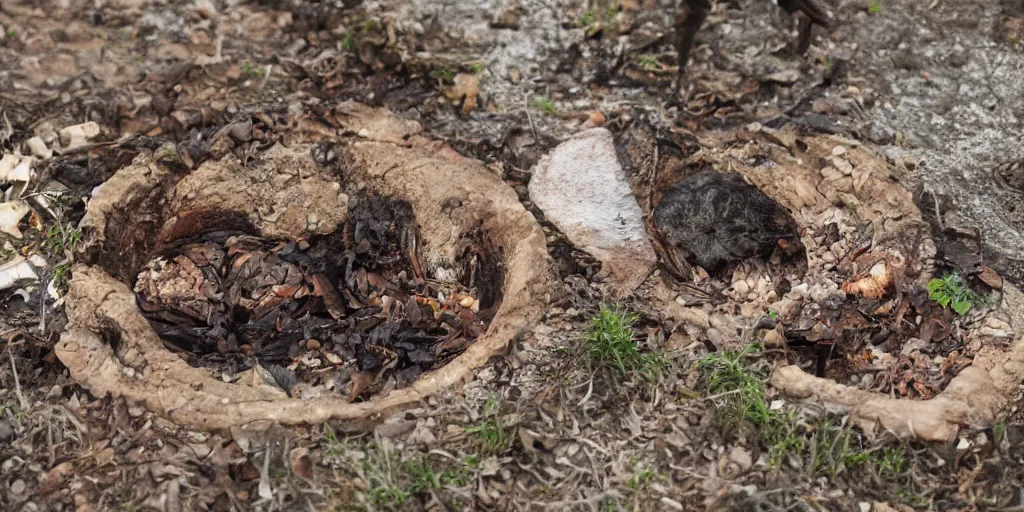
(426,479)
(874,6)
(477,67)
(492,433)
(443,74)
(612,345)
(888,462)
(587,19)
(953,291)
(774,315)
(388,496)
(61,240)
(368,26)
(11,34)
(648,62)
(642,475)
(61,273)
(349,42)
(252,71)
(333,447)
(545,104)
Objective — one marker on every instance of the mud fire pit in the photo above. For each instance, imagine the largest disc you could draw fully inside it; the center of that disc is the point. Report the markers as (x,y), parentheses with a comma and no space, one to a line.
(349,270)
(853,319)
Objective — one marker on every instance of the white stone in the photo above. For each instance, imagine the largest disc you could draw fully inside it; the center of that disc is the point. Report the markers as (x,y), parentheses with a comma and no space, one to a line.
(582,189)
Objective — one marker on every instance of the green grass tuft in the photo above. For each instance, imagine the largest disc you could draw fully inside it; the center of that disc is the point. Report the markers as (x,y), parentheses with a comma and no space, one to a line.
(443,74)
(252,71)
(545,104)
(612,345)
(494,434)
(874,6)
(647,62)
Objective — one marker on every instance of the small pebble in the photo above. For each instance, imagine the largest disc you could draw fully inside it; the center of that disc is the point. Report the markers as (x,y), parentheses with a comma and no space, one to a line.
(18,488)
(741,287)
(671,503)
(6,431)
(313,344)
(839,150)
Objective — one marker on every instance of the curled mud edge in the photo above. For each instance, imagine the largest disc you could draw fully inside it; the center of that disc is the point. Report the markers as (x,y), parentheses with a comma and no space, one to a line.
(973,399)
(110,348)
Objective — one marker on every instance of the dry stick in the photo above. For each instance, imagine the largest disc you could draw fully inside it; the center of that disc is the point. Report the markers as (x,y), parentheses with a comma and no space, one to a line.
(526,103)
(17,384)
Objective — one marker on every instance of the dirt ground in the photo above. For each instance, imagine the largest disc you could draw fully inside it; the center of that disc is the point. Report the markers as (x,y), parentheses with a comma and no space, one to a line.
(934,86)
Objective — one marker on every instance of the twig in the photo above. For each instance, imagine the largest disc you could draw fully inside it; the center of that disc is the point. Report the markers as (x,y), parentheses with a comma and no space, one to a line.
(17,384)
(938,214)
(586,397)
(266,76)
(720,395)
(526,102)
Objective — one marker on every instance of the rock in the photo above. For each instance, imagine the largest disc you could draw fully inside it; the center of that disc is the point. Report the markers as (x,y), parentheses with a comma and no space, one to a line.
(16,270)
(774,339)
(741,457)
(741,287)
(11,214)
(509,16)
(880,133)
(205,8)
(78,135)
(671,503)
(582,189)
(6,431)
(37,147)
(784,77)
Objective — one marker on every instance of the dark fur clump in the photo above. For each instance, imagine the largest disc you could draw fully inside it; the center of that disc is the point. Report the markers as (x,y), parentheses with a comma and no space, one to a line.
(713,219)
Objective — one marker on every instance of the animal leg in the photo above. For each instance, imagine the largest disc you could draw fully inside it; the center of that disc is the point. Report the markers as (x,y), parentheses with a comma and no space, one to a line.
(804,39)
(809,13)
(688,22)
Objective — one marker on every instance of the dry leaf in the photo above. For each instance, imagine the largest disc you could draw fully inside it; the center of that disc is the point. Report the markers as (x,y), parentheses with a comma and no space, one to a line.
(301,463)
(990,277)
(873,284)
(465,89)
